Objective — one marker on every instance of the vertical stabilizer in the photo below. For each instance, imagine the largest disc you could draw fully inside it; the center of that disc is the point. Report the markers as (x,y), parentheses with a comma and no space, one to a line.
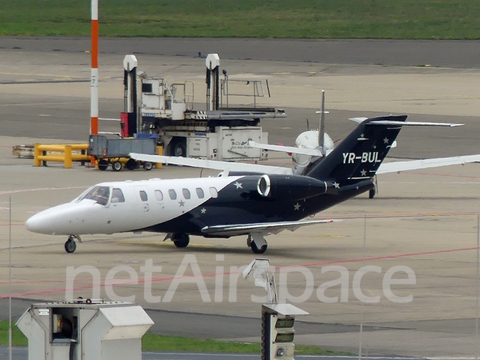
(360,154)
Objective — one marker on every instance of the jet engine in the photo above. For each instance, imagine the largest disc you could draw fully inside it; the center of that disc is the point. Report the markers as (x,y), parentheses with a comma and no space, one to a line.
(291,186)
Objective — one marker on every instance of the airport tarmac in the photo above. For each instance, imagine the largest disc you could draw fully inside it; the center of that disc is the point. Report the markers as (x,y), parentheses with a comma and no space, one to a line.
(425,221)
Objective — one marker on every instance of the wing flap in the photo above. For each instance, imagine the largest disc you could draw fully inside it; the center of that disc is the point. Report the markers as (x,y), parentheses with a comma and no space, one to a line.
(264,228)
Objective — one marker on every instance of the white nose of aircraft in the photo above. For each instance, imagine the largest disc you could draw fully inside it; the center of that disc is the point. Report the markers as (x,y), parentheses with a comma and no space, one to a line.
(43,223)
(59,220)
(33,224)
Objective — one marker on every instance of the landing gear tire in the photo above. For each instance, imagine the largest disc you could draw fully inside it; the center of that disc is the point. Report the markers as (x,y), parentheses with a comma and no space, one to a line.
(258,250)
(147,166)
(117,166)
(181,240)
(131,164)
(371,193)
(70,245)
(102,165)
(179,148)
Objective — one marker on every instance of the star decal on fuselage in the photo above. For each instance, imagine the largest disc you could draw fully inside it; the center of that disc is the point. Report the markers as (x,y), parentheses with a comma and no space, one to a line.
(203,211)
(238,185)
(385,141)
(363,172)
(182,203)
(336,185)
(296,207)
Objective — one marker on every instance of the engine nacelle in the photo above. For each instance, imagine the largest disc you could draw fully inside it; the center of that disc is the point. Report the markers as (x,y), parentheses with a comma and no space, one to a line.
(292,186)
(264,186)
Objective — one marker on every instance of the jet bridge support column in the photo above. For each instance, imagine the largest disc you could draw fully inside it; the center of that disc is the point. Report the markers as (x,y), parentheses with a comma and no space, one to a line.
(129,116)
(212,79)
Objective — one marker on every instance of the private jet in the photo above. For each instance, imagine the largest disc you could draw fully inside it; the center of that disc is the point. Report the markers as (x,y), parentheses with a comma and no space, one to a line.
(252,201)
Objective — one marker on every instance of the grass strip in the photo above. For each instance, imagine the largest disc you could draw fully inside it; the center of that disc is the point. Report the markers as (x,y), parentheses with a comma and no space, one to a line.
(153,342)
(308,19)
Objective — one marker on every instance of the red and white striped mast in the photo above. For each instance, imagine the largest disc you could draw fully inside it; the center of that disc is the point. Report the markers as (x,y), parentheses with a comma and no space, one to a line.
(94,73)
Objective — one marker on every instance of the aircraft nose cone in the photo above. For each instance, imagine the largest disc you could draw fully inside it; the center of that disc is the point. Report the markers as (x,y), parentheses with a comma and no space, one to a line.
(33,224)
(42,223)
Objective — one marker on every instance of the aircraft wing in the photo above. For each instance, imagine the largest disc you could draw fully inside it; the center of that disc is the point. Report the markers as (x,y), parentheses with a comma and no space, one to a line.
(399,166)
(264,228)
(287,149)
(212,164)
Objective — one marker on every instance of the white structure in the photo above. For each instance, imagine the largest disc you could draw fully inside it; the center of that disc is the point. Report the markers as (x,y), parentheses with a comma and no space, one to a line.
(84,330)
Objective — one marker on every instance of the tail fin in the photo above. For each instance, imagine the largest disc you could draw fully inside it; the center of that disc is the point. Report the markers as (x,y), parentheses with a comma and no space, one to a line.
(360,154)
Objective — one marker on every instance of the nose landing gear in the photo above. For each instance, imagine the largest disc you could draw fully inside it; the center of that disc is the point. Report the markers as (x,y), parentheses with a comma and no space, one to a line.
(71,245)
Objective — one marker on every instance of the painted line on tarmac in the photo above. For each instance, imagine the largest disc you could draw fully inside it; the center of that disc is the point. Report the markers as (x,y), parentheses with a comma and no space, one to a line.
(139,280)
(396,215)
(8,192)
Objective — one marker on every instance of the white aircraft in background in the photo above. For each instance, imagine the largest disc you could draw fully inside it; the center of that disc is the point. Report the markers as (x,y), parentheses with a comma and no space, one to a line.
(313,145)
(252,200)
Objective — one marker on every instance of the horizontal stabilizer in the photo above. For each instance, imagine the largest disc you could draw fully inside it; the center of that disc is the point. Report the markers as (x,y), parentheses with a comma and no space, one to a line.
(399,166)
(411,123)
(212,164)
(359,120)
(264,228)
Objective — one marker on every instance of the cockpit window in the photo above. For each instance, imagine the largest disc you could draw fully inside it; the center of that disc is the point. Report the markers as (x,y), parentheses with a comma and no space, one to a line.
(98,193)
(117,196)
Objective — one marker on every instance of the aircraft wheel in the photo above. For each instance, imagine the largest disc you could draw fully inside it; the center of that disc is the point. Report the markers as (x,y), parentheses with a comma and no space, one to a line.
(70,245)
(181,240)
(117,166)
(179,148)
(102,165)
(257,250)
(371,193)
(148,166)
(131,164)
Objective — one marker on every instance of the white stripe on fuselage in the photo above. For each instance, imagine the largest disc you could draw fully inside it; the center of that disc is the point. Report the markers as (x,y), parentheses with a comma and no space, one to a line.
(88,217)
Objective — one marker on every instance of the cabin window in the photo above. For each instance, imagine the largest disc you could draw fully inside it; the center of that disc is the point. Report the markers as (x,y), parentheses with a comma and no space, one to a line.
(117,196)
(98,193)
(213,192)
(143,195)
(173,194)
(186,194)
(159,195)
(200,193)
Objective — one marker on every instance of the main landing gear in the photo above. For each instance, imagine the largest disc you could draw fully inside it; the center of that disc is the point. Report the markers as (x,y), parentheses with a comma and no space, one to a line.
(180,240)
(257,243)
(71,245)
(373,192)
